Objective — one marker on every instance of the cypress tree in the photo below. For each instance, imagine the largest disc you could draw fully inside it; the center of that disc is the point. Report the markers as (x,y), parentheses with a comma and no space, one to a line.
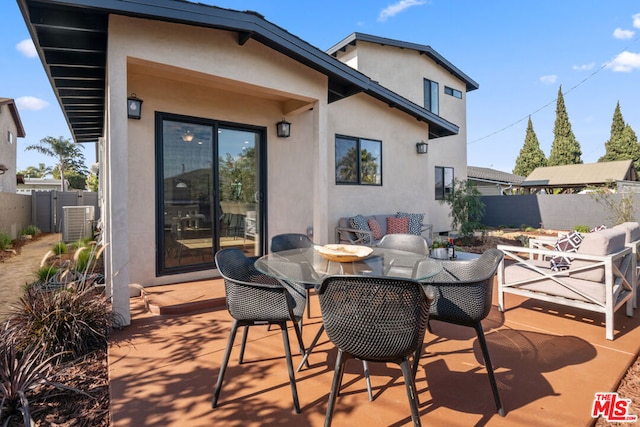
(565,149)
(622,143)
(531,156)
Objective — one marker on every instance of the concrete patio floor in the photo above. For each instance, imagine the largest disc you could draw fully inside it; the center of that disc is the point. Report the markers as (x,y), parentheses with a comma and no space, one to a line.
(549,362)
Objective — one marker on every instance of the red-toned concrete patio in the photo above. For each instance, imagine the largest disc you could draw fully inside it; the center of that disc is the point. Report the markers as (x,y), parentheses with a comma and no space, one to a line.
(549,361)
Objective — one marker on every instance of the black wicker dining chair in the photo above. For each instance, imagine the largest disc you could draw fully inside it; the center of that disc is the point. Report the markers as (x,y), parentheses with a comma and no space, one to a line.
(253,299)
(289,241)
(463,293)
(377,319)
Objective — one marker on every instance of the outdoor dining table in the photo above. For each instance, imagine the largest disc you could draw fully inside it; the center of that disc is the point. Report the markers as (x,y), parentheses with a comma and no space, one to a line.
(307,266)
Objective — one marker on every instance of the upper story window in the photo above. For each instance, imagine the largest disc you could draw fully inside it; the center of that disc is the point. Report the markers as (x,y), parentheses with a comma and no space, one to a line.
(10,137)
(453,92)
(358,161)
(444,182)
(431,96)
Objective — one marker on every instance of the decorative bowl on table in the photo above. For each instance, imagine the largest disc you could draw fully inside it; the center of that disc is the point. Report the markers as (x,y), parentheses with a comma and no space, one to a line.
(344,253)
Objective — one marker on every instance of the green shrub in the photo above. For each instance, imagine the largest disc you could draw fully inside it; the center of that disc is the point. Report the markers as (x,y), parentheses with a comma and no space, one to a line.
(30,230)
(582,228)
(82,243)
(529,229)
(60,248)
(44,273)
(524,240)
(5,241)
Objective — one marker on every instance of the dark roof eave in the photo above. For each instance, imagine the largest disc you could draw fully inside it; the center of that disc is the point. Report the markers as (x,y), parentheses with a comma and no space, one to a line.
(15,115)
(470,84)
(344,81)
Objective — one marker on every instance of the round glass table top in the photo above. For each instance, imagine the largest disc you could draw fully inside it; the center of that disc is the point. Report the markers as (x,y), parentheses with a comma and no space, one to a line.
(312,265)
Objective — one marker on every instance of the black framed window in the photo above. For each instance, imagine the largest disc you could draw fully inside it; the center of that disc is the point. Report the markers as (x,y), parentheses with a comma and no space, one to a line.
(444,182)
(431,96)
(453,92)
(358,161)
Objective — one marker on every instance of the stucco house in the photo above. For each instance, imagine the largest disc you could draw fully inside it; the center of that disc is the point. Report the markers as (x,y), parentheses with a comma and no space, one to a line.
(10,129)
(199,164)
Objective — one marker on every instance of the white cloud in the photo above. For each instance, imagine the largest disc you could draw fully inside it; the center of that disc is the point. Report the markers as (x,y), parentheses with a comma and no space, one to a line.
(636,20)
(621,34)
(625,62)
(584,67)
(31,103)
(27,48)
(550,79)
(398,7)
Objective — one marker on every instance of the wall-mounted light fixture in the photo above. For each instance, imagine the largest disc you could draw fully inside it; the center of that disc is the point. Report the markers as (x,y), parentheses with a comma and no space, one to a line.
(422,147)
(283,128)
(134,107)
(3,169)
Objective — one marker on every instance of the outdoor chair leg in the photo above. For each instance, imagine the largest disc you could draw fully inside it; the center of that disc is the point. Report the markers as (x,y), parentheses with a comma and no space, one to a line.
(487,362)
(412,395)
(335,387)
(365,366)
(292,378)
(304,360)
(244,343)
(225,362)
(300,342)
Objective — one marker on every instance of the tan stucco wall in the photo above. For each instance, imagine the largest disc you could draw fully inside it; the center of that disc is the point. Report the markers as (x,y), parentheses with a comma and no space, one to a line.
(205,73)
(15,213)
(248,84)
(407,177)
(8,151)
(382,63)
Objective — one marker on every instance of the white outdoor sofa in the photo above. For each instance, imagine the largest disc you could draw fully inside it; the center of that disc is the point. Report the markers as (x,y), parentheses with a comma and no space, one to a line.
(602,276)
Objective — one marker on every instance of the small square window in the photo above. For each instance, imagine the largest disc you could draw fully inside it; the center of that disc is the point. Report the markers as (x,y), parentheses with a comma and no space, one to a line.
(453,92)
(358,161)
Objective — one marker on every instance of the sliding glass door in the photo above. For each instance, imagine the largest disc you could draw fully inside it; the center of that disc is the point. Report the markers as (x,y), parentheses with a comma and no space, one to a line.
(209,191)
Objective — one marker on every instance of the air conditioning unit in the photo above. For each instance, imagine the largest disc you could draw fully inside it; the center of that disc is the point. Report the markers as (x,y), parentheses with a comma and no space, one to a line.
(77,222)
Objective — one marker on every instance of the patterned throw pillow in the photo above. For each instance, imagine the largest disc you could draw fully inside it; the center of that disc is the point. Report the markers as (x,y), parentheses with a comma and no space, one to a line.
(375,229)
(567,243)
(415,221)
(359,222)
(397,225)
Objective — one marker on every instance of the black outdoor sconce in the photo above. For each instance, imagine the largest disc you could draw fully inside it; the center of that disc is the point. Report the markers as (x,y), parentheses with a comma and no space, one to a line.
(134,107)
(283,128)
(422,147)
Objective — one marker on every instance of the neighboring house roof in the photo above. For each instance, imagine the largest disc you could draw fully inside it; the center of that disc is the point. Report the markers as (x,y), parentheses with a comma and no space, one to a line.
(423,49)
(582,175)
(493,175)
(14,113)
(71,39)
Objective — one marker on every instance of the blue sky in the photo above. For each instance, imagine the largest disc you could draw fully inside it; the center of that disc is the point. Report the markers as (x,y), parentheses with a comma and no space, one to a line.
(519,52)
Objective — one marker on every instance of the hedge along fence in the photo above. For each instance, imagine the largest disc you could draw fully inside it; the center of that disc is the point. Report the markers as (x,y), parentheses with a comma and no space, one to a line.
(15,213)
(559,211)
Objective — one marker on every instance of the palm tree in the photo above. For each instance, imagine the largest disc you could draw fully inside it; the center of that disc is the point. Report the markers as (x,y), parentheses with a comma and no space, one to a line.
(68,154)
(40,172)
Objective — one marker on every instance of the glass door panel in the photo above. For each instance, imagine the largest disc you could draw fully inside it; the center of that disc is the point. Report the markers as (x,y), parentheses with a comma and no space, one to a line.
(187,194)
(238,189)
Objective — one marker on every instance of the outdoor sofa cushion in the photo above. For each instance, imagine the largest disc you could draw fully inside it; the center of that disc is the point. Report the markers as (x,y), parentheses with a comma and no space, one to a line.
(344,235)
(602,242)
